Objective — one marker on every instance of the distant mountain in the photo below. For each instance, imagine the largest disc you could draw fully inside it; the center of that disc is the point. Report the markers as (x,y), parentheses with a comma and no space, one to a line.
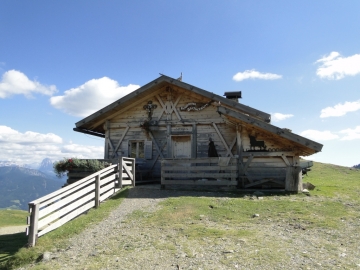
(46,166)
(357,166)
(20,185)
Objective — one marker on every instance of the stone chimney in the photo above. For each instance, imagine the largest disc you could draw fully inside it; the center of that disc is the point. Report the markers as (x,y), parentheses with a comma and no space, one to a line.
(233,95)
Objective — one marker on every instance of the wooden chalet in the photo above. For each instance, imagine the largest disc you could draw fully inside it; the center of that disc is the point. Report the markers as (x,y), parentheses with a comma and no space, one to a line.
(168,126)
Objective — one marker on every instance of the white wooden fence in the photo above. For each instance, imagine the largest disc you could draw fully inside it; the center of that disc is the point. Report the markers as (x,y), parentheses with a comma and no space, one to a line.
(57,208)
(199,171)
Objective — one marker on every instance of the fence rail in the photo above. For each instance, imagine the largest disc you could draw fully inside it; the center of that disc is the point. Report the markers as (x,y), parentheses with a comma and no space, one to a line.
(199,171)
(55,209)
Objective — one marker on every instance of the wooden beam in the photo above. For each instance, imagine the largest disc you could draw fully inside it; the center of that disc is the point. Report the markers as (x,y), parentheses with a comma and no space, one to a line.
(231,146)
(285,160)
(157,156)
(155,143)
(121,139)
(222,139)
(174,108)
(106,145)
(169,143)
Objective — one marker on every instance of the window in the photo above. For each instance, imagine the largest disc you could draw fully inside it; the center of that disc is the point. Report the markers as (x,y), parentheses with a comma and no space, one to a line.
(136,149)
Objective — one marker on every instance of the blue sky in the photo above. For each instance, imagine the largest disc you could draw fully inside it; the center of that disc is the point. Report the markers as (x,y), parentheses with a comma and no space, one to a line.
(60,61)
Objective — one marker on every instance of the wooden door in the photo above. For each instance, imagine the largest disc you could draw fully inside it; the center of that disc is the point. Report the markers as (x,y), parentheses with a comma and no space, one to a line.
(181,146)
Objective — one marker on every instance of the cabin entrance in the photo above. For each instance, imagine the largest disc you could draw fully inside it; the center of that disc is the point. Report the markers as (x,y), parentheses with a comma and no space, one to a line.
(181,146)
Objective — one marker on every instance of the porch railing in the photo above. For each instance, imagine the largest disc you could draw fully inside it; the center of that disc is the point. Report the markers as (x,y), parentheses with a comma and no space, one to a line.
(57,208)
(199,171)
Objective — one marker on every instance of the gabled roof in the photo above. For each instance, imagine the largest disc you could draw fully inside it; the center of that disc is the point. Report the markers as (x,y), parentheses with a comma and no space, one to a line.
(91,124)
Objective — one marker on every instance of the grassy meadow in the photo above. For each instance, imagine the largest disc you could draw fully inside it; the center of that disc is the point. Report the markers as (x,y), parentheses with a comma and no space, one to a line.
(204,220)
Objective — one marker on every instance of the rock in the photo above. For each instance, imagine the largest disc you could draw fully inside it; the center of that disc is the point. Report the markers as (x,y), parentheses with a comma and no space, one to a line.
(46,256)
(305,191)
(308,186)
(260,198)
(255,215)
(258,194)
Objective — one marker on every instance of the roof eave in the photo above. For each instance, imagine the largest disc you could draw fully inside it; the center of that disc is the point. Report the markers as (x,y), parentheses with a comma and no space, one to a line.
(314,146)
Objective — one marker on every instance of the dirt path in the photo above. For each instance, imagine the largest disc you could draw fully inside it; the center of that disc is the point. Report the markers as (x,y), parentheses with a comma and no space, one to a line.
(12,229)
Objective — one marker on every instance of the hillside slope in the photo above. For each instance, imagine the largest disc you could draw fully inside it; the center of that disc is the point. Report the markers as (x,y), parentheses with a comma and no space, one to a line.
(21,185)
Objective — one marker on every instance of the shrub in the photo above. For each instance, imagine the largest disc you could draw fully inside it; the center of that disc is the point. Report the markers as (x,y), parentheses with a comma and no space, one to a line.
(61,167)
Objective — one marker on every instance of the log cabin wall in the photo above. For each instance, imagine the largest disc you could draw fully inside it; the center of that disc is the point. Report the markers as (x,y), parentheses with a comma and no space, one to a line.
(171,122)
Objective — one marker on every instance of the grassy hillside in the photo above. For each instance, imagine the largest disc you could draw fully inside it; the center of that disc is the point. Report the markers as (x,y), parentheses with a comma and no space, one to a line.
(12,217)
(314,229)
(21,185)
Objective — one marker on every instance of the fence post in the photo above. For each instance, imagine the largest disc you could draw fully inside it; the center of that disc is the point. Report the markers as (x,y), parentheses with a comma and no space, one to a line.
(33,222)
(133,172)
(120,172)
(97,191)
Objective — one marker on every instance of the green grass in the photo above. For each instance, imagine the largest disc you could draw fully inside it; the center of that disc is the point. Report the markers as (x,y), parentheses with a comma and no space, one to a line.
(335,181)
(13,252)
(12,217)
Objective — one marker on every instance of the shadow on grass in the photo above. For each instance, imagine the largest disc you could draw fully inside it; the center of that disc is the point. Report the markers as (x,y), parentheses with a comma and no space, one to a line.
(171,191)
(10,244)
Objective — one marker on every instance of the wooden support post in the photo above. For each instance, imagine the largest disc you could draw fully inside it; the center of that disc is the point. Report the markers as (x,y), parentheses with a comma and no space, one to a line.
(239,151)
(293,179)
(121,172)
(33,229)
(106,152)
(133,172)
(97,191)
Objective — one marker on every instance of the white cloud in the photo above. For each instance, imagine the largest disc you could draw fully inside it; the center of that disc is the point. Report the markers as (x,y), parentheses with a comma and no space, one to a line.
(351,134)
(276,117)
(336,67)
(340,109)
(319,135)
(30,147)
(14,82)
(10,135)
(91,96)
(253,74)
(83,150)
